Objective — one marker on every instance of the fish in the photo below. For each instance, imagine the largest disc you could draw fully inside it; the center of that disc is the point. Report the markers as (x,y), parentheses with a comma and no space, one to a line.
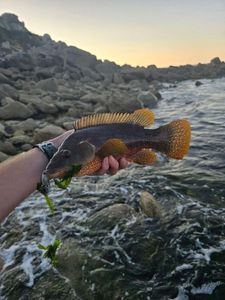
(120,135)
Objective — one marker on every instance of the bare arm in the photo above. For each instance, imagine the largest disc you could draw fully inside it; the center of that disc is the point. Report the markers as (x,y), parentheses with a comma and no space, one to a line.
(20,175)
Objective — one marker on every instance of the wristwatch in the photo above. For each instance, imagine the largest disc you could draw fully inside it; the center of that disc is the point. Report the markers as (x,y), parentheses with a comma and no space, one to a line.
(47,148)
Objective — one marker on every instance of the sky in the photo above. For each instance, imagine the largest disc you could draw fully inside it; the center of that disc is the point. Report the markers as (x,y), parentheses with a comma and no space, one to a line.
(135,32)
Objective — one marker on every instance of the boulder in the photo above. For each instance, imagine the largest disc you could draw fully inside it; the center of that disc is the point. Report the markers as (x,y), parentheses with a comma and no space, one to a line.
(150,206)
(215,61)
(3,133)
(198,83)
(14,110)
(46,133)
(147,99)
(4,79)
(106,67)
(9,91)
(8,148)
(111,216)
(49,84)
(18,140)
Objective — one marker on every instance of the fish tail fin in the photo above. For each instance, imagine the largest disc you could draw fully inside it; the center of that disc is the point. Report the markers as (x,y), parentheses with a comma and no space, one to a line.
(177,138)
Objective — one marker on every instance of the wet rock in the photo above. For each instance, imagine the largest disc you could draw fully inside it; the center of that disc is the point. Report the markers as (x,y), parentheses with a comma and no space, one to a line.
(110,216)
(198,83)
(47,133)
(150,206)
(14,110)
(148,99)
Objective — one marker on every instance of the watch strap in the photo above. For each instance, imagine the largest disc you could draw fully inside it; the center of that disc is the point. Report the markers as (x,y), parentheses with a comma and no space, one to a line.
(47,148)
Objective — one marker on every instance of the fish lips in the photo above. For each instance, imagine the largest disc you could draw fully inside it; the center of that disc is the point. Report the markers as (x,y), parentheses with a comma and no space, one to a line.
(56,172)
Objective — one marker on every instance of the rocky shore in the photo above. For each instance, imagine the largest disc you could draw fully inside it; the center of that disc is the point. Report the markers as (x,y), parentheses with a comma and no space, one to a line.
(45,85)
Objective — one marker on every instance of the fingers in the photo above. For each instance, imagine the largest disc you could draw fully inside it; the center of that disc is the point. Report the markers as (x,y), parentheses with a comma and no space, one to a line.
(105,166)
(111,165)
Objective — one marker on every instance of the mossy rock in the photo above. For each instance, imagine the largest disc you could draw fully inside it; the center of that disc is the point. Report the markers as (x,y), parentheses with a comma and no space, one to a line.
(150,206)
(109,217)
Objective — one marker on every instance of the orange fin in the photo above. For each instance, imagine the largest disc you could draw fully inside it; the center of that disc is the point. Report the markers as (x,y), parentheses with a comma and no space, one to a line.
(179,137)
(115,147)
(141,117)
(143,157)
(91,167)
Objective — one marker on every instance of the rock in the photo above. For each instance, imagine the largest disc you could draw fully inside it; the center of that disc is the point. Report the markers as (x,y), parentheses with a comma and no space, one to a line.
(26,147)
(43,105)
(1,263)
(91,74)
(111,216)
(4,79)
(46,133)
(3,133)
(14,110)
(9,91)
(8,148)
(106,67)
(150,206)
(49,84)
(3,157)
(18,140)
(198,83)
(147,99)
(10,22)
(215,61)
(117,78)
(121,103)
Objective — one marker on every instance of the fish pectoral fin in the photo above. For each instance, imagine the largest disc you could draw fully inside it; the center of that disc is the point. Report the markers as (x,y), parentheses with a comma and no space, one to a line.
(86,152)
(115,147)
(91,167)
(143,117)
(143,157)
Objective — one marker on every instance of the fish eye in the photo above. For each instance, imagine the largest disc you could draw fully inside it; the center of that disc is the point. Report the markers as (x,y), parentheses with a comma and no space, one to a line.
(65,153)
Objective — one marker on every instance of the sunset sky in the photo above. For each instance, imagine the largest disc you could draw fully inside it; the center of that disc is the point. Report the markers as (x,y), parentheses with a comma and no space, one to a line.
(136,32)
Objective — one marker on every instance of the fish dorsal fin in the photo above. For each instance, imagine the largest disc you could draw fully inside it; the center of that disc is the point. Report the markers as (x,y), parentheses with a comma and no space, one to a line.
(142,117)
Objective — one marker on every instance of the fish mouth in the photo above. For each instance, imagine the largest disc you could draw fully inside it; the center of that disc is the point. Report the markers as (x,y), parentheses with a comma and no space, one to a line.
(56,173)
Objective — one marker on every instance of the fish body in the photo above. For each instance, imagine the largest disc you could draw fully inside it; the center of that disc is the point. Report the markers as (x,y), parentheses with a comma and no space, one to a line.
(98,136)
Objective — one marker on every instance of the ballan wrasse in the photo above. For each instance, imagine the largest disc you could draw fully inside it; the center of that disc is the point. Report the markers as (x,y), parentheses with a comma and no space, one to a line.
(121,135)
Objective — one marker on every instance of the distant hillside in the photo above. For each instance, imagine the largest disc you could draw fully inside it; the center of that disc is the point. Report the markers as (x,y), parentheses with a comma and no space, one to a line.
(25,50)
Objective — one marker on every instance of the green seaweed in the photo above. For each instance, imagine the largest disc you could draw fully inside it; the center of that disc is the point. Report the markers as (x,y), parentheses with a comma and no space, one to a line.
(49,201)
(64,182)
(50,251)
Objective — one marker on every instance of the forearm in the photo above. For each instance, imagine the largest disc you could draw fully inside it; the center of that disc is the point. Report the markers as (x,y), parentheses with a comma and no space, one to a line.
(18,178)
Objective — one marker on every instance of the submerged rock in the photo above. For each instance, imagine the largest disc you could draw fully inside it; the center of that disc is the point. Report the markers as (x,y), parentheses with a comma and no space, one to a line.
(150,206)
(111,216)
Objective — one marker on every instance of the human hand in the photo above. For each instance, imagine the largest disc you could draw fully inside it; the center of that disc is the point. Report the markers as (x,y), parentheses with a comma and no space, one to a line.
(111,165)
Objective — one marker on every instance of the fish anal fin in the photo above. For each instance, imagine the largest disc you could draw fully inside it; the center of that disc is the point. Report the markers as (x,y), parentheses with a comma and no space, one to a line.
(143,157)
(91,167)
(115,147)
